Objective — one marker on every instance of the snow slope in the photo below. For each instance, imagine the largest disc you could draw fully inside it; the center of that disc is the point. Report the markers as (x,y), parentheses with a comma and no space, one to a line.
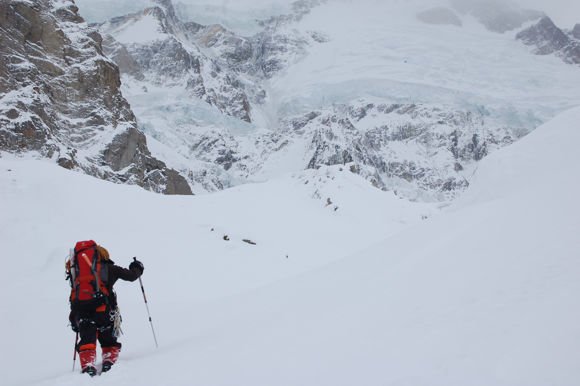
(45,209)
(482,294)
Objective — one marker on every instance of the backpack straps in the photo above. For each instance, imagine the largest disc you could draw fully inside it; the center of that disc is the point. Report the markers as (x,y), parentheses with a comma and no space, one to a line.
(93,265)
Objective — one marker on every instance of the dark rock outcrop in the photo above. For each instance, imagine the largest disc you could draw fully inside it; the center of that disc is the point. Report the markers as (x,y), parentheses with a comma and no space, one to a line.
(547,38)
(60,97)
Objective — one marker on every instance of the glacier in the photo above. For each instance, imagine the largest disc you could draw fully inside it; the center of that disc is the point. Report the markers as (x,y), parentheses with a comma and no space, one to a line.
(231,116)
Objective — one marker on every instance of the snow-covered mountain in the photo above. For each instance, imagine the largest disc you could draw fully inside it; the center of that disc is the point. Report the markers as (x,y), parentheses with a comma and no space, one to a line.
(60,97)
(346,284)
(410,95)
(547,39)
(404,96)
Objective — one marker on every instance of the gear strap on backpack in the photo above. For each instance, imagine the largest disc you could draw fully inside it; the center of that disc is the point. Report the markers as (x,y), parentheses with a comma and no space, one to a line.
(88,277)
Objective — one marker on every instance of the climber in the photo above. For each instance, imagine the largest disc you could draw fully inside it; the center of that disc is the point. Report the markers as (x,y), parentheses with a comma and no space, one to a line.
(94,312)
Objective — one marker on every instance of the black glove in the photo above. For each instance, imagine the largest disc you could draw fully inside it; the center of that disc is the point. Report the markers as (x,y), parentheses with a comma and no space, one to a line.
(136,265)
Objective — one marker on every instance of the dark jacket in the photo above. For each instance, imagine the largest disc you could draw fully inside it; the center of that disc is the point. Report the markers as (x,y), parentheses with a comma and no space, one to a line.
(115,273)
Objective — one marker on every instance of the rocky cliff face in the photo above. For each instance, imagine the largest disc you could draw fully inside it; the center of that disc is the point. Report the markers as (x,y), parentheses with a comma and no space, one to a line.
(215,65)
(547,38)
(60,97)
(399,153)
(171,57)
(423,152)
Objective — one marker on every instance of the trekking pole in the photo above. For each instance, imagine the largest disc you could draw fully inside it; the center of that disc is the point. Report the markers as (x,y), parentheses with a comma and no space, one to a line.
(147,306)
(75,354)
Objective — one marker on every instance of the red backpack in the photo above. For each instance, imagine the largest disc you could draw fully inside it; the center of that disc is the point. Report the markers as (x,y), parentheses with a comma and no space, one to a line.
(88,276)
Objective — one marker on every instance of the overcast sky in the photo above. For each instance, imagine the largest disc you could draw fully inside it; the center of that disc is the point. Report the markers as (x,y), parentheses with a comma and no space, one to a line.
(565,13)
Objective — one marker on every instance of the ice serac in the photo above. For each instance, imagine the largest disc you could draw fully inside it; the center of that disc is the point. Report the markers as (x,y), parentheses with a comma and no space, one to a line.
(60,97)
(547,38)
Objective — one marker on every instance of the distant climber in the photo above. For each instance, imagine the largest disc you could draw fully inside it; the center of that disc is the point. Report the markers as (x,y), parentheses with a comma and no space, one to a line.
(94,311)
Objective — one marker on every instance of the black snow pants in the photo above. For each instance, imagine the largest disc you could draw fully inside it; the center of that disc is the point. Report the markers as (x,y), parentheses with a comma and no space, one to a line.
(93,325)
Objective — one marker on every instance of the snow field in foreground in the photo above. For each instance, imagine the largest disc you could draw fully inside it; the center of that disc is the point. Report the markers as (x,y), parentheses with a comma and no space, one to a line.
(484,293)
(45,209)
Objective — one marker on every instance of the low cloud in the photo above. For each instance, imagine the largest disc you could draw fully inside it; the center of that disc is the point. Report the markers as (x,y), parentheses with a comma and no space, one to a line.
(566,13)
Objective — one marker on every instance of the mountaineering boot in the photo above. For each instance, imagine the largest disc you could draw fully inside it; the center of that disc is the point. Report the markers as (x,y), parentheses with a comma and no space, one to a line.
(92,371)
(87,356)
(106,367)
(110,355)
